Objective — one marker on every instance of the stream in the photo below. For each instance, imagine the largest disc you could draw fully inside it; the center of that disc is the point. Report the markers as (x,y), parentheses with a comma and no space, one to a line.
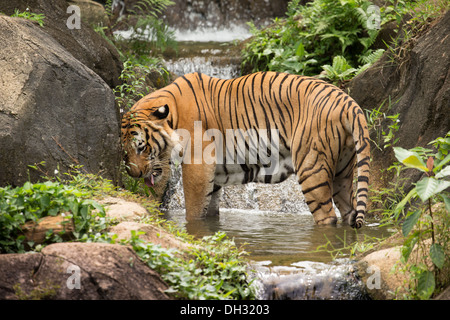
(271,222)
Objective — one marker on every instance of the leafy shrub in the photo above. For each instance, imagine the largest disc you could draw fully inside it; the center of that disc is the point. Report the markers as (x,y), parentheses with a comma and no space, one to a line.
(32,202)
(215,270)
(310,37)
(147,35)
(421,222)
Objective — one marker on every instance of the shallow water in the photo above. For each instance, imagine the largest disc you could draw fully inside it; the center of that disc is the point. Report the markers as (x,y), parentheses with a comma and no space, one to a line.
(279,238)
(284,255)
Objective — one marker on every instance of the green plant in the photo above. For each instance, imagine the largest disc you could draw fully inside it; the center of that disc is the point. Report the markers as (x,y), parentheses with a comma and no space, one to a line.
(339,72)
(429,189)
(215,270)
(310,37)
(32,202)
(412,19)
(149,34)
(344,248)
(384,199)
(36,17)
(384,137)
(133,86)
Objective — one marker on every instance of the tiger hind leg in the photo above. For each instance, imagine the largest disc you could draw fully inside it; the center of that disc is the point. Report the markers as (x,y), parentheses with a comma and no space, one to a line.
(343,186)
(317,192)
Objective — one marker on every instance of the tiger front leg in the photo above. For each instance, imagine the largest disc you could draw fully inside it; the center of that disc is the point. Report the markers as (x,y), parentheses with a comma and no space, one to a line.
(198,186)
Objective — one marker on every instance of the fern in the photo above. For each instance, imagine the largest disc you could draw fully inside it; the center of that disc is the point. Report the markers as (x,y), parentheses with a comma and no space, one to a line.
(326,28)
(368,59)
(338,72)
(151,7)
(371,56)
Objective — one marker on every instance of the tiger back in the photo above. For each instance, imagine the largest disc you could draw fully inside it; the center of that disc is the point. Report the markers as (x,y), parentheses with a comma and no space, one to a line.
(261,127)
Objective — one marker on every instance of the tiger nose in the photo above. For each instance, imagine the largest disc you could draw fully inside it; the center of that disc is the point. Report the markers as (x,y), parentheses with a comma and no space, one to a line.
(133,170)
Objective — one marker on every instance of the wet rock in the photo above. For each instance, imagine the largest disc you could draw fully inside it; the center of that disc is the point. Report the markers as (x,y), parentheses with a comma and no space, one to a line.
(53,108)
(73,271)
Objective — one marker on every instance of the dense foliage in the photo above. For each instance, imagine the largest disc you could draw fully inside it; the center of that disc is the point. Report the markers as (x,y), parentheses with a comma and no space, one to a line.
(311,36)
(424,221)
(31,202)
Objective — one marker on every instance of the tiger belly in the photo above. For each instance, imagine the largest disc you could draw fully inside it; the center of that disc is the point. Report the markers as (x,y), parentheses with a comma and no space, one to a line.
(234,174)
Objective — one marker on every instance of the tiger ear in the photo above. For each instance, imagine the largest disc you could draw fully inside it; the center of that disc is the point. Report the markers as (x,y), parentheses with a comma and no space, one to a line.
(162,112)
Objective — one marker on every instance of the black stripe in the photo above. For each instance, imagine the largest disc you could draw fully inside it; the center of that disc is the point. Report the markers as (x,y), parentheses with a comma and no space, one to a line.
(363,179)
(320,185)
(361,203)
(195,95)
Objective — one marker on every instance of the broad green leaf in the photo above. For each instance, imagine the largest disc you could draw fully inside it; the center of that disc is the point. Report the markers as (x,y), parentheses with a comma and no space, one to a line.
(442,163)
(444,172)
(45,201)
(407,248)
(425,285)
(437,255)
(410,159)
(300,52)
(428,187)
(410,222)
(27,186)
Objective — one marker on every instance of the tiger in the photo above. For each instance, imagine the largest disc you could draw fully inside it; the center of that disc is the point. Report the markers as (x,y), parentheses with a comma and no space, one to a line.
(321,131)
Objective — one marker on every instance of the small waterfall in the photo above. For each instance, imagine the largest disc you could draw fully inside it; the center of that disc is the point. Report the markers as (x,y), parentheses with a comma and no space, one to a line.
(218,67)
(211,51)
(279,198)
(308,280)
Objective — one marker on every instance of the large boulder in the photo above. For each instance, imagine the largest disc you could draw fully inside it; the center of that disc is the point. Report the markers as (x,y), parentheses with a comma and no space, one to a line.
(417,82)
(74,271)
(52,108)
(84,43)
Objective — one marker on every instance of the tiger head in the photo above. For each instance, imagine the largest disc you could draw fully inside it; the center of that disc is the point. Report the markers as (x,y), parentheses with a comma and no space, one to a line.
(146,137)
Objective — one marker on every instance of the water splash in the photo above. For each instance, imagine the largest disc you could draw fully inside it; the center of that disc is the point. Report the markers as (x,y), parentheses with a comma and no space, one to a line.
(210,65)
(308,280)
(285,197)
(213,34)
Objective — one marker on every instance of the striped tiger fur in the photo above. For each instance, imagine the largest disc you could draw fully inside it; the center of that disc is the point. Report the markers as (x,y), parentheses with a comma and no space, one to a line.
(322,137)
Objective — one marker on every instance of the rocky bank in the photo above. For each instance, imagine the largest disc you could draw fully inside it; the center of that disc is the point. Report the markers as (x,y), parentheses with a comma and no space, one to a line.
(90,271)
